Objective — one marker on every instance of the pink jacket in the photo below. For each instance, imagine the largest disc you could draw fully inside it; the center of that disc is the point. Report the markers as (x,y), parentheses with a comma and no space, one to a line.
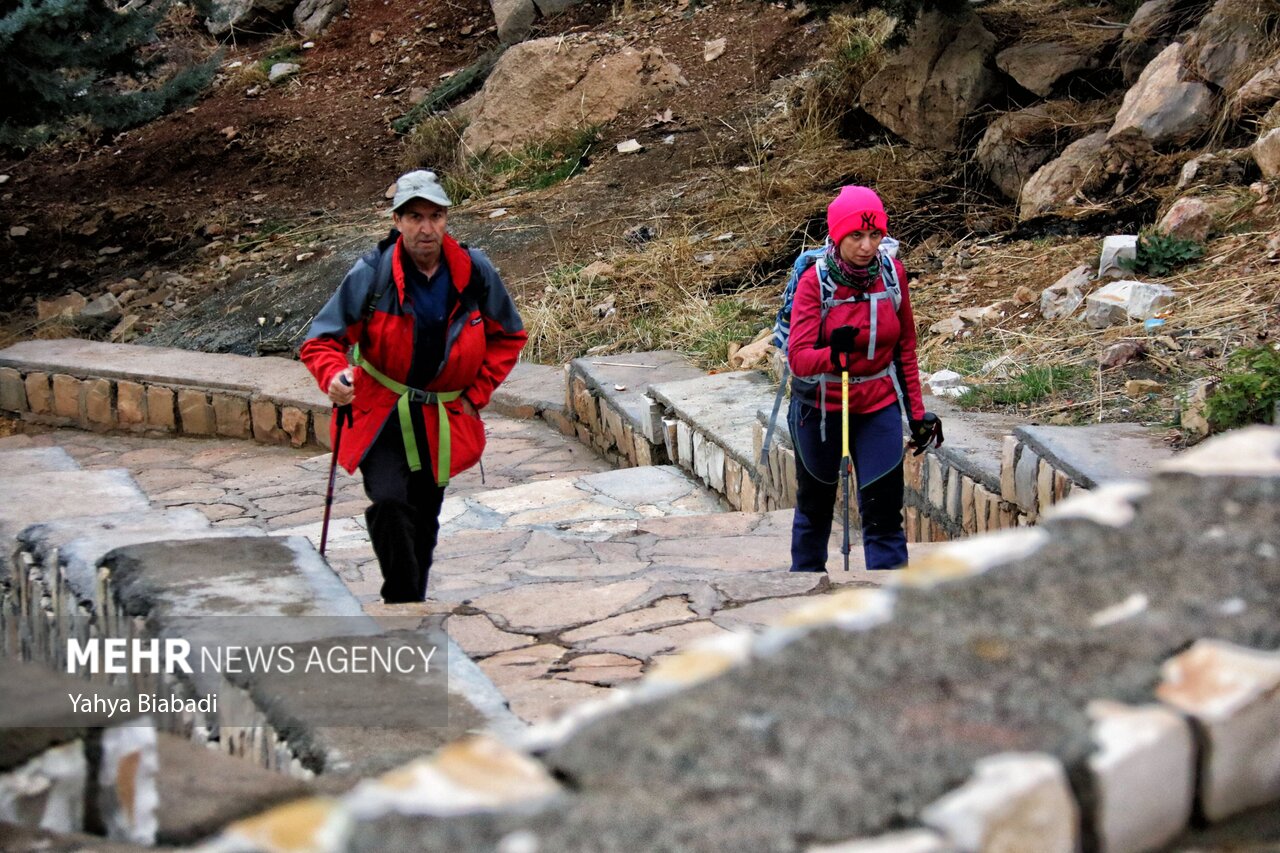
(810,356)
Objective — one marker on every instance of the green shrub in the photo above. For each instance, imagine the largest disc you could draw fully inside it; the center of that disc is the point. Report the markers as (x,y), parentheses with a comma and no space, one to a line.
(68,62)
(1248,392)
(1159,254)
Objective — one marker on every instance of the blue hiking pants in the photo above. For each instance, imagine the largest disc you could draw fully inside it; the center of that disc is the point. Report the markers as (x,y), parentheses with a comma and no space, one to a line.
(875,440)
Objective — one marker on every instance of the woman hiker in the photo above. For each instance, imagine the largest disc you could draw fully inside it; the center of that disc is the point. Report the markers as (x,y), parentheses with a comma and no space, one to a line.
(858,319)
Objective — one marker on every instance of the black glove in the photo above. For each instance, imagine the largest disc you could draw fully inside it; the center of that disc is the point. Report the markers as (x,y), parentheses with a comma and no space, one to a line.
(843,342)
(925,431)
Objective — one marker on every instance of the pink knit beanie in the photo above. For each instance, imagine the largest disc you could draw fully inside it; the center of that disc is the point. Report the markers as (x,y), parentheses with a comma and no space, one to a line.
(855,209)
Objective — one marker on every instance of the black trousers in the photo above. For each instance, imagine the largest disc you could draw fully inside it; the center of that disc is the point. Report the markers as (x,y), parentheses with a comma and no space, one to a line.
(404,518)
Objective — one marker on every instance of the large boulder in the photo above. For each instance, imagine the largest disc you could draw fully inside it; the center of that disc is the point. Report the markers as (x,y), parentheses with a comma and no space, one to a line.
(1016,144)
(1058,183)
(1037,67)
(224,15)
(312,16)
(545,86)
(1228,42)
(926,90)
(1166,106)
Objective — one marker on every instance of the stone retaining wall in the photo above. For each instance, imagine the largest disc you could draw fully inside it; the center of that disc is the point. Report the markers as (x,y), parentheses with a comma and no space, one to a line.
(103,387)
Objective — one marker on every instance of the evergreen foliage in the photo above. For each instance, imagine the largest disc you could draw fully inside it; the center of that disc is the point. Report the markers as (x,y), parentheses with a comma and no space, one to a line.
(64,59)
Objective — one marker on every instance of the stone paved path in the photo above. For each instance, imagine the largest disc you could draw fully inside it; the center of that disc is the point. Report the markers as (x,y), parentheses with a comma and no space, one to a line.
(561,576)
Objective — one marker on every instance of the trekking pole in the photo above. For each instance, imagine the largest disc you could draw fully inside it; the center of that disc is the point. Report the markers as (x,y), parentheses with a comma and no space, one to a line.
(344,416)
(846,460)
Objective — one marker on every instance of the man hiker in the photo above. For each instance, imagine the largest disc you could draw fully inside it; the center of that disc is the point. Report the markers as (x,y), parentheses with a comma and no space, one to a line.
(416,338)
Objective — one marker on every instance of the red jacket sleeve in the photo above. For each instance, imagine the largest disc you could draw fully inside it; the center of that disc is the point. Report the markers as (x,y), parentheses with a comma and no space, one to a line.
(907,365)
(504,335)
(804,354)
(338,326)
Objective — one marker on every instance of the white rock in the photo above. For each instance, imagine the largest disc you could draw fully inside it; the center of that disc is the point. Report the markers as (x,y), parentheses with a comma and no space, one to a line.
(630,146)
(1013,801)
(497,212)
(714,49)
(1116,248)
(4,179)
(953,392)
(945,379)
(1061,299)
(1144,775)
(282,70)
(1125,301)
(19,231)
(1233,693)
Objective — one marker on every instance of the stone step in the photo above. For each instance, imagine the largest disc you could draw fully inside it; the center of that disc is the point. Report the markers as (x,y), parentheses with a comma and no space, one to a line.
(51,749)
(533,391)
(102,386)
(710,430)
(612,412)
(276,591)
(1041,465)
(63,594)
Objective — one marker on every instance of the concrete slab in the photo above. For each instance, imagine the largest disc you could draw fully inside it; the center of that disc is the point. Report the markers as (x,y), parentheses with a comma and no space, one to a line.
(623,380)
(283,380)
(79,544)
(15,463)
(333,727)
(973,440)
(723,406)
(1096,453)
(263,583)
(530,390)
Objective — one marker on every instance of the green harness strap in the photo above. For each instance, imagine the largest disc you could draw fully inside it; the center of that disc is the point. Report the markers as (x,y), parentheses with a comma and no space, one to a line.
(412,395)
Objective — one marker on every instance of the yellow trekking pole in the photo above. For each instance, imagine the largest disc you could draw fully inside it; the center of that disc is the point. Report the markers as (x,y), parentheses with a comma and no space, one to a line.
(846,460)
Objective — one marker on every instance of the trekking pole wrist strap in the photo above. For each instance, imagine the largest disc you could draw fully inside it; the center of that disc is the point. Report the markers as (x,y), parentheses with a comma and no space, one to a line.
(409,396)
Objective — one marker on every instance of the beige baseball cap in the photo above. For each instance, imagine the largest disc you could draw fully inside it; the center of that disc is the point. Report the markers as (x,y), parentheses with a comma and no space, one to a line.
(419,183)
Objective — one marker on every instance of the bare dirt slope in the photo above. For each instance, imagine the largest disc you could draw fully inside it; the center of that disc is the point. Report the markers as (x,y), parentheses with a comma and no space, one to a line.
(312,157)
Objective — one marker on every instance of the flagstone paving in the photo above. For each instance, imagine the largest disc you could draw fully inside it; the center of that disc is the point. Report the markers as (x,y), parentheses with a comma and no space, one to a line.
(560,576)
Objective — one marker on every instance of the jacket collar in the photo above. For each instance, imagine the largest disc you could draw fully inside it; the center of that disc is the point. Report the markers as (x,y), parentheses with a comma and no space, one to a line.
(458,259)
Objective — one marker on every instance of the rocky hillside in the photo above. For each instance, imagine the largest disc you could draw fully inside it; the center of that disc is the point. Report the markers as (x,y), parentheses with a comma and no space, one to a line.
(643,173)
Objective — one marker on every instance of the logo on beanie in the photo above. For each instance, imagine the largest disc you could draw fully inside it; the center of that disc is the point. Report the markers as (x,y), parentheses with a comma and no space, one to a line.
(869,222)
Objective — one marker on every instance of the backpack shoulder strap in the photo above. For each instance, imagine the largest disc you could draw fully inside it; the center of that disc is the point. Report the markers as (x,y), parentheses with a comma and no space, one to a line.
(381,281)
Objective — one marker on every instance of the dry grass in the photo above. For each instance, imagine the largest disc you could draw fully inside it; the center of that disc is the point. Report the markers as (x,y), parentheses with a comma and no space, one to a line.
(1230,298)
